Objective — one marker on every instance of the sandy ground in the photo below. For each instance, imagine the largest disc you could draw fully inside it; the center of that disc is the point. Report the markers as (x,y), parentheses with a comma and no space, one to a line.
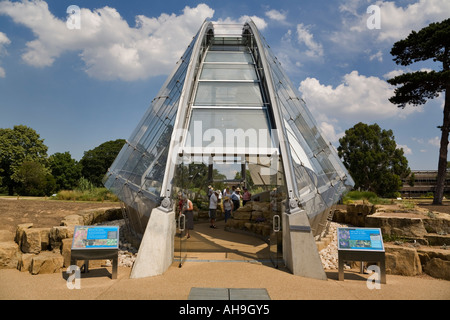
(42,213)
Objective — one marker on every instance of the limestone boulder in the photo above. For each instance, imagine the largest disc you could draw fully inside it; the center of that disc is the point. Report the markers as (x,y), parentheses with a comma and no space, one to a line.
(402,261)
(398,226)
(260,206)
(19,232)
(440,223)
(46,262)
(57,234)
(25,262)
(91,217)
(438,268)
(66,246)
(9,254)
(242,215)
(34,240)
(72,220)
(355,214)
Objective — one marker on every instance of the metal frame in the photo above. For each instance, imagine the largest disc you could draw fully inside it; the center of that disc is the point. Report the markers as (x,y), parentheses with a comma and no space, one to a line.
(285,151)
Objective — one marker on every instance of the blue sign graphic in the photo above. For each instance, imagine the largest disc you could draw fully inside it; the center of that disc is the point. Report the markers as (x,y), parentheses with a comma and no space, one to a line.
(360,239)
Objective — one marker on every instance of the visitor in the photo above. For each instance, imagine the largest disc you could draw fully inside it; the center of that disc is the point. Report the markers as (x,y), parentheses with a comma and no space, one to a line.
(236,198)
(188,210)
(180,203)
(219,201)
(210,191)
(246,197)
(212,209)
(228,207)
(227,192)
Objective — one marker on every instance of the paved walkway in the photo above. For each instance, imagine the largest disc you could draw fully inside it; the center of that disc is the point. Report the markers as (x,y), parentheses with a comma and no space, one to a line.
(217,259)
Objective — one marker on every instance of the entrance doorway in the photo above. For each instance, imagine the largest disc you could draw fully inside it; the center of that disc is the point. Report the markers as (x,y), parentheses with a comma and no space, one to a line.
(253,233)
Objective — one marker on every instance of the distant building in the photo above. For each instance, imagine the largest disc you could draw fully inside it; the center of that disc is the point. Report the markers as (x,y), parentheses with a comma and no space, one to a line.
(422,182)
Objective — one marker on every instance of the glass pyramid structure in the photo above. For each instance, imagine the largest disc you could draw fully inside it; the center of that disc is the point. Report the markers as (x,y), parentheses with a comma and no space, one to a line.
(228,115)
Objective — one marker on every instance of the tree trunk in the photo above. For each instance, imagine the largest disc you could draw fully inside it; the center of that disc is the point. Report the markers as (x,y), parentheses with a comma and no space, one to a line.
(442,166)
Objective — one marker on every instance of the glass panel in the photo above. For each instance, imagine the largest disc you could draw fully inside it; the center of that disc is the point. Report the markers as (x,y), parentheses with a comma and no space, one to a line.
(228,94)
(229,128)
(228,72)
(225,56)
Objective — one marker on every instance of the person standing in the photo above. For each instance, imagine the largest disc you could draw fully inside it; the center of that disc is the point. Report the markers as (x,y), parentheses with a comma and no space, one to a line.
(212,209)
(246,197)
(188,210)
(236,198)
(228,207)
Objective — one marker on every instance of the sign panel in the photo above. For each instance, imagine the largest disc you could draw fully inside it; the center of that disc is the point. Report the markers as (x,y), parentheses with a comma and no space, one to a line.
(369,239)
(98,237)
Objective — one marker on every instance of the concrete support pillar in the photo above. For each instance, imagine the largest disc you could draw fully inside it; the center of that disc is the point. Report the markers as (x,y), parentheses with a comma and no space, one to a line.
(155,254)
(299,247)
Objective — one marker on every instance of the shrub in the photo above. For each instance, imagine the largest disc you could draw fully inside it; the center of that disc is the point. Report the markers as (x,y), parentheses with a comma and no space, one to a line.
(94,194)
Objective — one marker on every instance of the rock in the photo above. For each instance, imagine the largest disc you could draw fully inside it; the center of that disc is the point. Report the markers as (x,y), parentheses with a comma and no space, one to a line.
(72,220)
(402,261)
(438,240)
(57,234)
(242,215)
(439,224)
(34,240)
(19,232)
(9,255)
(99,215)
(25,262)
(248,207)
(398,226)
(438,268)
(66,249)
(260,206)
(46,262)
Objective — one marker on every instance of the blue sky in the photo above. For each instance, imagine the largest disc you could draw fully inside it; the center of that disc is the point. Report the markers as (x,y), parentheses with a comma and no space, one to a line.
(82,87)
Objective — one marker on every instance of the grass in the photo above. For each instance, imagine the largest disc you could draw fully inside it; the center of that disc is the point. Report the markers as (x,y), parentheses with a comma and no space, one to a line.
(94,194)
(365,196)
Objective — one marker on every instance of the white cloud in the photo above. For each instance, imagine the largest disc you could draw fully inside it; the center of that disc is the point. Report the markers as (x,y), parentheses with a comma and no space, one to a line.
(304,36)
(4,41)
(329,130)
(276,15)
(378,56)
(406,150)
(436,142)
(357,98)
(396,21)
(109,47)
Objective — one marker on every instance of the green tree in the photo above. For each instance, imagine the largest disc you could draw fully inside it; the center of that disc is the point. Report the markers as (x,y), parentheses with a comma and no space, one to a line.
(65,170)
(431,42)
(373,159)
(34,179)
(96,162)
(18,145)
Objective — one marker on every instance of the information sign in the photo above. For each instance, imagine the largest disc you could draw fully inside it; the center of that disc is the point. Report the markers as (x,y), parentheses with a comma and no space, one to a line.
(95,237)
(361,239)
